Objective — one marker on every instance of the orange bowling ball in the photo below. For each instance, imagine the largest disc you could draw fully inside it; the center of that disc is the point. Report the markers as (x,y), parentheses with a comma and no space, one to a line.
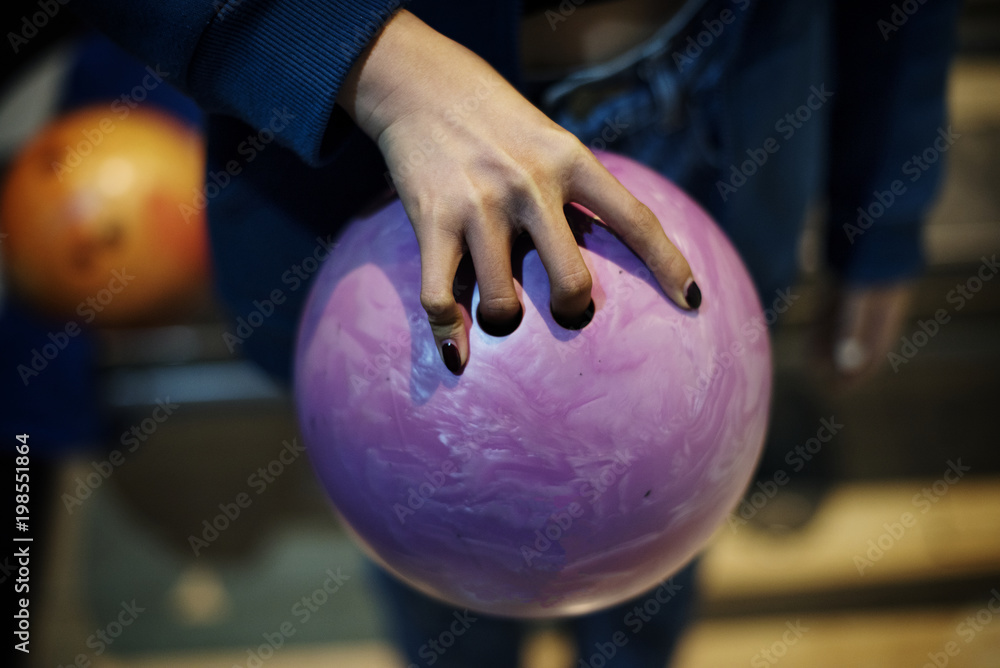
(104,221)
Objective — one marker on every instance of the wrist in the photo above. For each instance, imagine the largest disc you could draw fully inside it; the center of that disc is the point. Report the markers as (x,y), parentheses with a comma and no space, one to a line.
(367,94)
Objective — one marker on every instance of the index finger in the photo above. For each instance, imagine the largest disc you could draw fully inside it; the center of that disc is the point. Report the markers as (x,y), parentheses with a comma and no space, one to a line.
(595,188)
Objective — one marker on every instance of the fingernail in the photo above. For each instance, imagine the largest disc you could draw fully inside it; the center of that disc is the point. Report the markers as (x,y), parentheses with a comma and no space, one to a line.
(692,294)
(452,360)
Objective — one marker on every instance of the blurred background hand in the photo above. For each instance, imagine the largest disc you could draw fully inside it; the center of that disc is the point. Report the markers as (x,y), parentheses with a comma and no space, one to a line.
(856,329)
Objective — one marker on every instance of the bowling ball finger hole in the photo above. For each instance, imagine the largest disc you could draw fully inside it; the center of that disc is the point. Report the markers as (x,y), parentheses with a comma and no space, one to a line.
(577,323)
(502,328)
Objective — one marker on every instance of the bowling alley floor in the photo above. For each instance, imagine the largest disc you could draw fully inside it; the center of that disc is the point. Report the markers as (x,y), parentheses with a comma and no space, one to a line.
(860,585)
(898,566)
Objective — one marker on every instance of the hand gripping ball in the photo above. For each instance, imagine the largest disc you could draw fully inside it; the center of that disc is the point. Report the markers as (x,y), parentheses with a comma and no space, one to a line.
(564,471)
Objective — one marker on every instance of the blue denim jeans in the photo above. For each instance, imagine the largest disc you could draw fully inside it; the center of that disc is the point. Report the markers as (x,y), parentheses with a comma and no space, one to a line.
(640,633)
(733,108)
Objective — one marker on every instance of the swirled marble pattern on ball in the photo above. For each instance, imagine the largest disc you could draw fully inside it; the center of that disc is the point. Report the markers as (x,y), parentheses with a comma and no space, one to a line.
(563,471)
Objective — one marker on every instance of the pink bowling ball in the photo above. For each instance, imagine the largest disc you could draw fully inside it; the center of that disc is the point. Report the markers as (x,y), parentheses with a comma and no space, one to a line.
(563,471)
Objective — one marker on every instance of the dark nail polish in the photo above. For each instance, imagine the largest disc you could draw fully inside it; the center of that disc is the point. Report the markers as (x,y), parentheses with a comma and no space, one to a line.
(452,360)
(693,295)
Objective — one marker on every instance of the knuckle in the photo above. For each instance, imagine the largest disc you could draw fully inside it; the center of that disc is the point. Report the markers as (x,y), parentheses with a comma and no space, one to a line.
(512,194)
(572,285)
(438,305)
(642,218)
(565,145)
(462,210)
(558,153)
(571,155)
(499,307)
(495,174)
(638,227)
(520,180)
(671,263)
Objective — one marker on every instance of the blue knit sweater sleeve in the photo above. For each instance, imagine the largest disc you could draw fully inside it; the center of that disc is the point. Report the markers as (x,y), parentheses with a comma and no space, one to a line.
(253,59)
